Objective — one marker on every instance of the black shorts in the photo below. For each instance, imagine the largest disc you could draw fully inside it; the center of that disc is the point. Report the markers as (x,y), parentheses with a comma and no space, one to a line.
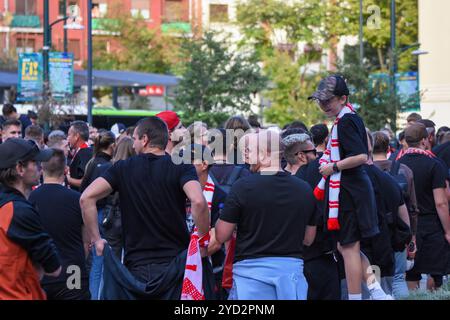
(349,229)
(322,274)
(433,250)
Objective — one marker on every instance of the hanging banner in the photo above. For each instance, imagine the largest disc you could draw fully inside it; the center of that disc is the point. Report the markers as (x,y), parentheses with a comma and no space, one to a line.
(30,71)
(408,90)
(61,74)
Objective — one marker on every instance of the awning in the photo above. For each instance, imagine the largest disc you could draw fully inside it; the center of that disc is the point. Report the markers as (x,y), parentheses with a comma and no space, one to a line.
(105,78)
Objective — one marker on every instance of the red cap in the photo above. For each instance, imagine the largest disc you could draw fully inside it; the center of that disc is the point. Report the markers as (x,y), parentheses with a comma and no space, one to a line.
(170,118)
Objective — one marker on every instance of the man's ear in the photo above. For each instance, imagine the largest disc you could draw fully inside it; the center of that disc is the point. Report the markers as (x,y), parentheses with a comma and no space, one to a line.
(66,170)
(205,165)
(145,140)
(20,169)
(302,157)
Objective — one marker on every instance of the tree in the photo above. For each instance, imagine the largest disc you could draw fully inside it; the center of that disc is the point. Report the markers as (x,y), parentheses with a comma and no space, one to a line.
(215,82)
(274,28)
(377,104)
(290,92)
(132,46)
(377,31)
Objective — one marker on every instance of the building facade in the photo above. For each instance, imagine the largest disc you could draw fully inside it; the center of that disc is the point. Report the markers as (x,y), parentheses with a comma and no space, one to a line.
(22,21)
(434,67)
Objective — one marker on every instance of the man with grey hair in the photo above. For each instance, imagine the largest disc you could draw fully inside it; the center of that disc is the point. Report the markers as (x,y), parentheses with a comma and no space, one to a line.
(298,151)
(273,225)
(81,153)
(57,139)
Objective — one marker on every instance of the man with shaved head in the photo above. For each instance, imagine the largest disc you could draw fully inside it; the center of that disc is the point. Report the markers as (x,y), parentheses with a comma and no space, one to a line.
(273,223)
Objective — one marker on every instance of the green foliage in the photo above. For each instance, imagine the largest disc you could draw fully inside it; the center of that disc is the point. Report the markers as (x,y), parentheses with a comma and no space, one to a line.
(274,28)
(134,47)
(290,92)
(378,105)
(215,80)
(379,38)
(213,119)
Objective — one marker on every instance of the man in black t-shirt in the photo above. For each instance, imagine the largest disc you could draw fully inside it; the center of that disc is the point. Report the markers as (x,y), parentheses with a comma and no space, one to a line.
(59,209)
(433,227)
(298,151)
(201,157)
(321,267)
(77,137)
(273,223)
(152,194)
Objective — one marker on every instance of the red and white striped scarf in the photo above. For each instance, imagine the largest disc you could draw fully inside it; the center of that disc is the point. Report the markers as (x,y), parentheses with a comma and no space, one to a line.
(193,272)
(418,151)
(332,155)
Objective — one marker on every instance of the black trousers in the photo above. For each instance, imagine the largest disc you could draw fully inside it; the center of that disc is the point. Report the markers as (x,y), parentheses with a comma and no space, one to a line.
(322,275)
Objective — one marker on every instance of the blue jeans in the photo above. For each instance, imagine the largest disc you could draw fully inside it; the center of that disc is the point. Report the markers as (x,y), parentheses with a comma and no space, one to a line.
(399,287)
(270,278)
(96,273)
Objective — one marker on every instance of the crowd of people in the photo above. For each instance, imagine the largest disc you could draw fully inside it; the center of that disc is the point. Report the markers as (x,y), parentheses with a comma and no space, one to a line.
(240,212)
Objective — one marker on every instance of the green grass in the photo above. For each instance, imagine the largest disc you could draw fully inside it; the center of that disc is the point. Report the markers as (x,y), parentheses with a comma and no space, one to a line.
(442,294)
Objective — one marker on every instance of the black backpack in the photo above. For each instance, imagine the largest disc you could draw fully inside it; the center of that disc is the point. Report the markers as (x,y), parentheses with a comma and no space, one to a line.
(400,231)
(400,179)
(226,183)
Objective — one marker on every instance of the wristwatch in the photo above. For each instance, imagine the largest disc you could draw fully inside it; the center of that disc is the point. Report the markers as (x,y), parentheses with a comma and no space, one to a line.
(335,168)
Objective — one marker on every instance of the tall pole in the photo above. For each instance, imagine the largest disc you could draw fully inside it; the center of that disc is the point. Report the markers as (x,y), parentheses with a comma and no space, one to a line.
(361,23)
(46,48)
(393,46)
(65,22)
(89,71)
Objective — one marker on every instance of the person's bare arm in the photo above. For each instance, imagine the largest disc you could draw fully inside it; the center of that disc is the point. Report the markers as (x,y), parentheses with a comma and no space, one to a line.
(440,200)
(404,215)
(224,231)
(310,235)
(86,242)
(347,163)
(214,245)
(74,182)
(97,190)
(199,207)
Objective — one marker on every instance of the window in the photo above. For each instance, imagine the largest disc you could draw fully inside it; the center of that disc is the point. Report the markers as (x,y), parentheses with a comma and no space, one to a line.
(218,13)
(74,47)
(314,52)
(140,8)
(26,7)
(68,3)
(99,8)
(174,11)
(24,45)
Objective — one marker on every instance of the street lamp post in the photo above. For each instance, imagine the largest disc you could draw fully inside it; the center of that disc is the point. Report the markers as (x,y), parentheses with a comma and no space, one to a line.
(393,69)
(46,47)
(89,71)
(361,43)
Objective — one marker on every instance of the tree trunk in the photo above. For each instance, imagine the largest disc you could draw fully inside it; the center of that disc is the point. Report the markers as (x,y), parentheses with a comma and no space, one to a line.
(381,60)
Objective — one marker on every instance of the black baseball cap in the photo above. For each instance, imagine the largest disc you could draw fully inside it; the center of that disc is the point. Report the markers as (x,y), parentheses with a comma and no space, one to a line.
(14,150)
(332,86)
